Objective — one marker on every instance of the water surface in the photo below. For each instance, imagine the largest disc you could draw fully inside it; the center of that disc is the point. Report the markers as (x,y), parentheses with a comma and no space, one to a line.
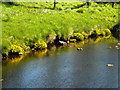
(65,67)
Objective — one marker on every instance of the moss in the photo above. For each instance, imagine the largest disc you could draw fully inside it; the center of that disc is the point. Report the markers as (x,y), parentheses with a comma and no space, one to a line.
(85,35)
(40,45)
(26,48)
(98,32)
(72,40)
(16,49)
(78,36)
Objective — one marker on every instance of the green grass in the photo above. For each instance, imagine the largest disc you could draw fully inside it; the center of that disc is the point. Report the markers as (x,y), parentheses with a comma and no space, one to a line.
(25,23)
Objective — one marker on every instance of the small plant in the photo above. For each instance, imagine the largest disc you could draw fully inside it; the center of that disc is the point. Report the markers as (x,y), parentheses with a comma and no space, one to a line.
(78,36)
(73,40)
(16,49)
(40,45)
(96,33)
(107,32)
(102,33)
(85,35)
(26,48)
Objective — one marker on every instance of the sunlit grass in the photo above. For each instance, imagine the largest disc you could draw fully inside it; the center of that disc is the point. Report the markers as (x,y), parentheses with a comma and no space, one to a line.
(24,23)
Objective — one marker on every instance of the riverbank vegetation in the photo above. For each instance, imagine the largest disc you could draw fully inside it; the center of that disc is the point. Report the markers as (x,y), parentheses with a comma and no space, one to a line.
(34,25)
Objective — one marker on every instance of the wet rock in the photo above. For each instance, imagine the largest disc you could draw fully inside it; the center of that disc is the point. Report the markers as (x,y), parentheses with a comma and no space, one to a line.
(117,47)
(62,43)
(110,65)
(79,49)
(118,44)
(68,41)
(33,49)
(20,53)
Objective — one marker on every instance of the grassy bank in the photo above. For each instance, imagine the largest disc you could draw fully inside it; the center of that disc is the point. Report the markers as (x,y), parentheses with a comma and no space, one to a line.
(26,23)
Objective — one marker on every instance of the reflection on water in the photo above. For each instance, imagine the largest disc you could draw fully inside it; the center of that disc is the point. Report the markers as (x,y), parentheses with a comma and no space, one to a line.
(63,67)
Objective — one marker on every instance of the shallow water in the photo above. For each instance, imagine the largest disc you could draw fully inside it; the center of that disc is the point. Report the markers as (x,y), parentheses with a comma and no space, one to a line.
(66,67)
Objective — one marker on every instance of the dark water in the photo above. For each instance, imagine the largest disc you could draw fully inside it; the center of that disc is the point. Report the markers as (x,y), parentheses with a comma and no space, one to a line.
(66,67)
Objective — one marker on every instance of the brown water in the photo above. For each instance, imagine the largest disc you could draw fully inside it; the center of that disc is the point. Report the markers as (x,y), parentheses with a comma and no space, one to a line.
(63,67)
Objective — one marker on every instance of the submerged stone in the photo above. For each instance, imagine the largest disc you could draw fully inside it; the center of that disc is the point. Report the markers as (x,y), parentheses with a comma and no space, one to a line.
(33,49)
(110,65)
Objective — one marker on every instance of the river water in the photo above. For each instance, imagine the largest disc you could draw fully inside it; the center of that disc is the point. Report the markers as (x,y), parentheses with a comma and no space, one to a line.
(65,67)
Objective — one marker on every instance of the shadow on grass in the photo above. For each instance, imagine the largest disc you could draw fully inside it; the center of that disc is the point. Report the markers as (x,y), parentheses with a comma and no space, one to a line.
(10,4)
(78,6)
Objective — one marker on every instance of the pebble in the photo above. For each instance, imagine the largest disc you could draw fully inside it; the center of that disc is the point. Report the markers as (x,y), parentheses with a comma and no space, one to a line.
(68,42)
(20,53)
(80,49)
(110,65)
(118,44)
(33,49)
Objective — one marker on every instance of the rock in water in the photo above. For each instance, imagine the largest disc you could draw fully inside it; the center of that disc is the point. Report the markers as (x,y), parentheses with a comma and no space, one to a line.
(33,49)
(110,65)
(68,42)
(62,43)
(80,49)
(118,44)
(117,47)
(20,53)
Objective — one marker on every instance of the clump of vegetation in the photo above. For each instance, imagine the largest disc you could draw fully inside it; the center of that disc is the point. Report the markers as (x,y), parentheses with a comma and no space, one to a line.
(26,48)
(78,36)
(107,32)
(85,35)
(73,40)
(97,32)
(40,45)
(102,33)
(16,49)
